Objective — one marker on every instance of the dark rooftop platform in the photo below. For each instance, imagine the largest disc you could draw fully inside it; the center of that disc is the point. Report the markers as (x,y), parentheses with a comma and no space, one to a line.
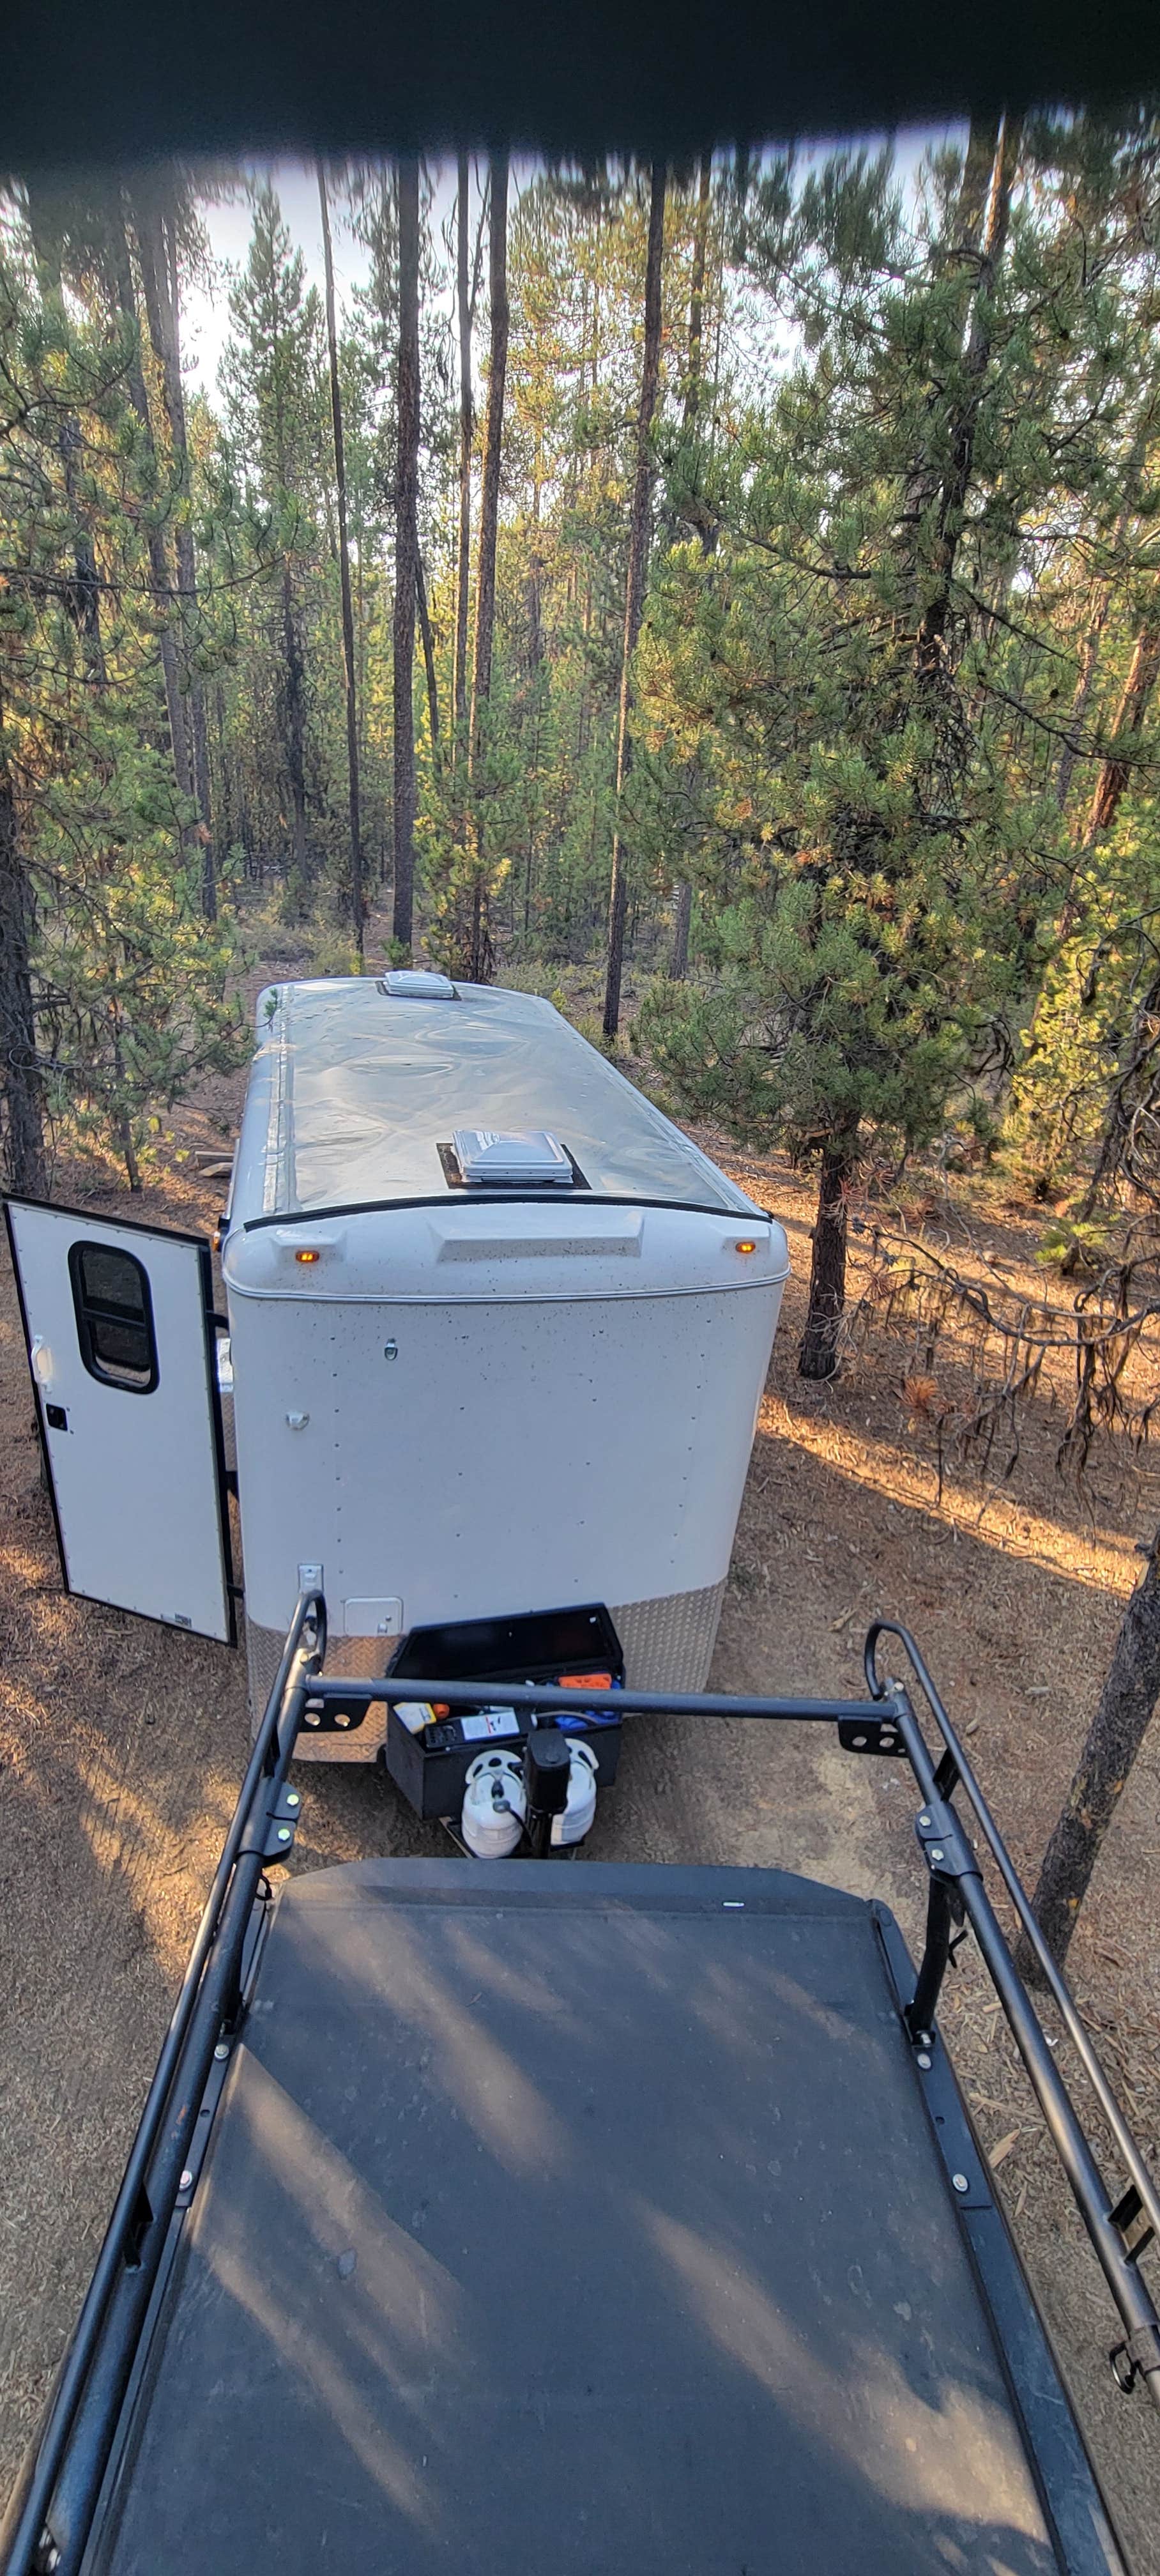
(566,2220)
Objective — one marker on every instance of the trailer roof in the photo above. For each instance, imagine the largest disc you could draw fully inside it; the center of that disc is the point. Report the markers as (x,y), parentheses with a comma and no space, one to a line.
(354,1089)
(589,2218)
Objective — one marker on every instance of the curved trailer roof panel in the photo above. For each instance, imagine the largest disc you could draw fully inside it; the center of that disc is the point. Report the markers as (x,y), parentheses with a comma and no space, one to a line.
(354,1088)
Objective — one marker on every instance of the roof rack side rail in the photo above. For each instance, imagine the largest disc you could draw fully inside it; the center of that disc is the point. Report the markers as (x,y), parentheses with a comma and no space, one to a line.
(64,2471)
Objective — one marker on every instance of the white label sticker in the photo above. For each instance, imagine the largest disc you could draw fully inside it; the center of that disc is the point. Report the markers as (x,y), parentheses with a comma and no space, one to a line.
(490,1721)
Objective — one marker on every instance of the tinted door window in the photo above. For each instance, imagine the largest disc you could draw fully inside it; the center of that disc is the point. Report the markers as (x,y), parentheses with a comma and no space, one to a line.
(114,1313)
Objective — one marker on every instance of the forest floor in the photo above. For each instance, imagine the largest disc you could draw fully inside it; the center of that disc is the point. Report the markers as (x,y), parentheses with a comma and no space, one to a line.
(122,1745)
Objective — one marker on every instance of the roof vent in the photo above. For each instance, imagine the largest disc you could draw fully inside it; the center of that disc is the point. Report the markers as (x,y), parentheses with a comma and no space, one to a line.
(510,1162)
(415,984)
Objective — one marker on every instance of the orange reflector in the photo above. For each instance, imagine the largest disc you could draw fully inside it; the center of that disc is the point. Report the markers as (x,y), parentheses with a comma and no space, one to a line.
(307,1256)
(746,1245)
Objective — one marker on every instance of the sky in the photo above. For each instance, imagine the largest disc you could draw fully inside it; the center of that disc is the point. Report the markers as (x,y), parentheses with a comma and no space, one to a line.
(205,312)
(205,309)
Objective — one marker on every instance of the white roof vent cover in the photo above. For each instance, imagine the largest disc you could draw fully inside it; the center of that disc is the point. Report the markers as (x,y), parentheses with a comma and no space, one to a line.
(510,1162)
(416,984)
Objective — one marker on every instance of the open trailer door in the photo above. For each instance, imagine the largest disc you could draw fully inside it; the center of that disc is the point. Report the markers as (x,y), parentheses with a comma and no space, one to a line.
(118,1319)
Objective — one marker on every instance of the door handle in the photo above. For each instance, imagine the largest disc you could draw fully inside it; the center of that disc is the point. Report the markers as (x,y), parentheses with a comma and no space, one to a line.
(41,1358)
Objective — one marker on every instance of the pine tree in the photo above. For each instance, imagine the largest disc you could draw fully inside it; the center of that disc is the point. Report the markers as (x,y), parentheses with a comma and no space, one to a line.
(406,552)
(638,529)
(112,986)
(272,383)
(350,674)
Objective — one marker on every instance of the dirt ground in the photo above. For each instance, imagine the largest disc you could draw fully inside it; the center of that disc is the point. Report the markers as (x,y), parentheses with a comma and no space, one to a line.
(121,1747)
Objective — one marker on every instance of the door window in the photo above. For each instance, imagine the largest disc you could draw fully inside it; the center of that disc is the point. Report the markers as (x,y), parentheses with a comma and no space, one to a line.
(114,1313)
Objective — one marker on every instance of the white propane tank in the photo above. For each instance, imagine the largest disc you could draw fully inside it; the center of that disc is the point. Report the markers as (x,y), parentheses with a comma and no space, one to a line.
(494,1806)
(577,1817)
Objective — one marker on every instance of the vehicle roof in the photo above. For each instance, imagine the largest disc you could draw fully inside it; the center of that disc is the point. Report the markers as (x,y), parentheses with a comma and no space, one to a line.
(353,1090)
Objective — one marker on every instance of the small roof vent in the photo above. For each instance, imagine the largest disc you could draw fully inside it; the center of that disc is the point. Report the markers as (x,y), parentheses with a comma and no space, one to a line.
(510,1162)
(415,984)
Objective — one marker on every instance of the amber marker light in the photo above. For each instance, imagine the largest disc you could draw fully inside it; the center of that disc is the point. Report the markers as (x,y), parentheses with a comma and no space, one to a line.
(307,1256)
(746,1244)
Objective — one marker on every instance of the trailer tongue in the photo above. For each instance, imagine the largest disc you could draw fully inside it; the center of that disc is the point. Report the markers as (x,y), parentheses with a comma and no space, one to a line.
(496,2216)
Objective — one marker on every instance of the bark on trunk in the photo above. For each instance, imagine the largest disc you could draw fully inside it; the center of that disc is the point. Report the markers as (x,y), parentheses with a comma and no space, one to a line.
(406,553)
(693,376)
(818,1356)
(535,575)
(428,642)
(159,278)
(1133,707)
(357,901)
(122,289)
(479,964)
(24,1159)
(634,586)
(682,915)
(465,305)
(294,702)
(1117,1731)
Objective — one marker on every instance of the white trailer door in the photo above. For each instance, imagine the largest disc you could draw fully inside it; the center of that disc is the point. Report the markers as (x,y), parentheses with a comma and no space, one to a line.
(119,1326)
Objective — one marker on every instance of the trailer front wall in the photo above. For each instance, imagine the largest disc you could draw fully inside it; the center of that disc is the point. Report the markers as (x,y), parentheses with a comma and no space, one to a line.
(453,1461)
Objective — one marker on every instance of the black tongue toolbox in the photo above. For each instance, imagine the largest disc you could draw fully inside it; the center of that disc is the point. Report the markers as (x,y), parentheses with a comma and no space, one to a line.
(429,1761)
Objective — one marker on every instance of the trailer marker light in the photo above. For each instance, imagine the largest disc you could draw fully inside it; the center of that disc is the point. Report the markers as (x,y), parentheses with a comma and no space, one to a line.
(308,1256)
(746,1244)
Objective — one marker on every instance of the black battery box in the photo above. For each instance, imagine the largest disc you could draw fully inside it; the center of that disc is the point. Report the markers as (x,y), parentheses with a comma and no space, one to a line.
(431,1767)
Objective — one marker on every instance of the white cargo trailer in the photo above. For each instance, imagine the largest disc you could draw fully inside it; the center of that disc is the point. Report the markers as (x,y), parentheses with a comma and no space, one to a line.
(497,1330)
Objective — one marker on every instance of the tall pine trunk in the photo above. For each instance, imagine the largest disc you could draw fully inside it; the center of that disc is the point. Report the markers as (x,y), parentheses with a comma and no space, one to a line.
(682,917)
(465,314)
(427,640)
(157,246)
(406,553)
(1115,773)
(1102,605)
(1114,1738)
(23,1142)
(818,1355)
(294,707)
(121,288)
(634,585)
(479,959)
(694,371)
(694,376)
(350,680)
